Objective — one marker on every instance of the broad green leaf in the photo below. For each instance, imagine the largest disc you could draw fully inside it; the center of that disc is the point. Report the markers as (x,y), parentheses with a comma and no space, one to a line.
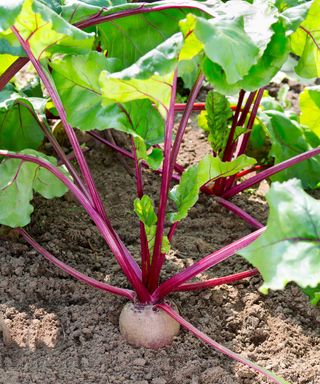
(305,43)
(294,16)
(9,10)
(289,139)
(144,209)
(46,32)
(19,128)
(149,78)
(154,158)
(289,249)
(76,78)
(215,120)
(130,38)
(227,44)
(18,180)
(186,193)
(310,108)
(313,293)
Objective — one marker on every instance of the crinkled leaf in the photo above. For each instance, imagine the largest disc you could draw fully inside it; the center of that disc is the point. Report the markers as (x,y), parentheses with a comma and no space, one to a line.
(215,120)
(149,78)
(76,78)
(289,139)
(9,10)
(18,180)
(186,193)
(46,31)
(19,128)
(154,158)
(144,209)
(310,108)
(305,43)
(289,249)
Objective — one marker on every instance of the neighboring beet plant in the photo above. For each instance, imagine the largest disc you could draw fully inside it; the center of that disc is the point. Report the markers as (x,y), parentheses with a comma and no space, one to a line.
(117,67)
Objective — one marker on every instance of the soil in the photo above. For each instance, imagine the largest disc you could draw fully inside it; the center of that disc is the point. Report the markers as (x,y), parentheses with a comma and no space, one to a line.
(57,330)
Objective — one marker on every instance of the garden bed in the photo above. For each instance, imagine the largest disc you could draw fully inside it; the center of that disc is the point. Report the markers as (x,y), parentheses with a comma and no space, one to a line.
(59,330)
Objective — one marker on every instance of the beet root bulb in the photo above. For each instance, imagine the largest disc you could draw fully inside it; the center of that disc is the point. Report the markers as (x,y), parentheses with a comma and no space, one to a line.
(147,326)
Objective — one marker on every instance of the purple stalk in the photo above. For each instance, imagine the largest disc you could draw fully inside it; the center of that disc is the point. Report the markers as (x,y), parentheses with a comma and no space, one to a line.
(69,131)
(202,265)
(227,156)
(95,198)
(165,184)
(143,8)
(271,171)
(217,281)
(129,266)
(158,259)
(145,254)
(73,272)
(239,212)
(57,148)
(12,70)
(126,153)
(218,347)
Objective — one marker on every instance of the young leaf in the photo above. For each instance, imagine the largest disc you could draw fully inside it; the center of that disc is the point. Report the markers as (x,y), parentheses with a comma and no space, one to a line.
(215,120)
(313,293)
(310,108)
(144,208)
(186,193)
(289,138)
(19,128)
(154,158)
(289,249)
(18,180)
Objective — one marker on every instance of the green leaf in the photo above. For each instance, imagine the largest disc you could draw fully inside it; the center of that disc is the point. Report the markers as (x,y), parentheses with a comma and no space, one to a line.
(154,158)
(215,120)
(76,78)
(46,32)
(305,43)
(227,44)
(289,249)
(19,129)
(149,78)
(6,61)
(310,108)
(289,139)
(186,193)
(18,180)
(9,10)
(294,16)
(144,208)
(313,293)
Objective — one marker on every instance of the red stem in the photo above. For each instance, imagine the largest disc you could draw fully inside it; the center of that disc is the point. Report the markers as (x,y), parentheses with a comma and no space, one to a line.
(271,171)
(217,281)
(165,184)
(12,70)
(220,348)
(129,266)
(250,170)
(180,107)
(145,254)
(73,272)
(239,212)
(202,265)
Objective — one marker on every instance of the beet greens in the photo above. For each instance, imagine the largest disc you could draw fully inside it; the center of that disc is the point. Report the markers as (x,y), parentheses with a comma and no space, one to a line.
(118,67)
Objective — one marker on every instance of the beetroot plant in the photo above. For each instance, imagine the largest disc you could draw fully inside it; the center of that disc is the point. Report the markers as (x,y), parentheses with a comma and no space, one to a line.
(115,65)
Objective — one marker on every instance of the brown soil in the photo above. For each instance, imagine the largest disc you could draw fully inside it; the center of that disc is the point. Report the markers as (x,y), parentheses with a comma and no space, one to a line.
(57,330)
